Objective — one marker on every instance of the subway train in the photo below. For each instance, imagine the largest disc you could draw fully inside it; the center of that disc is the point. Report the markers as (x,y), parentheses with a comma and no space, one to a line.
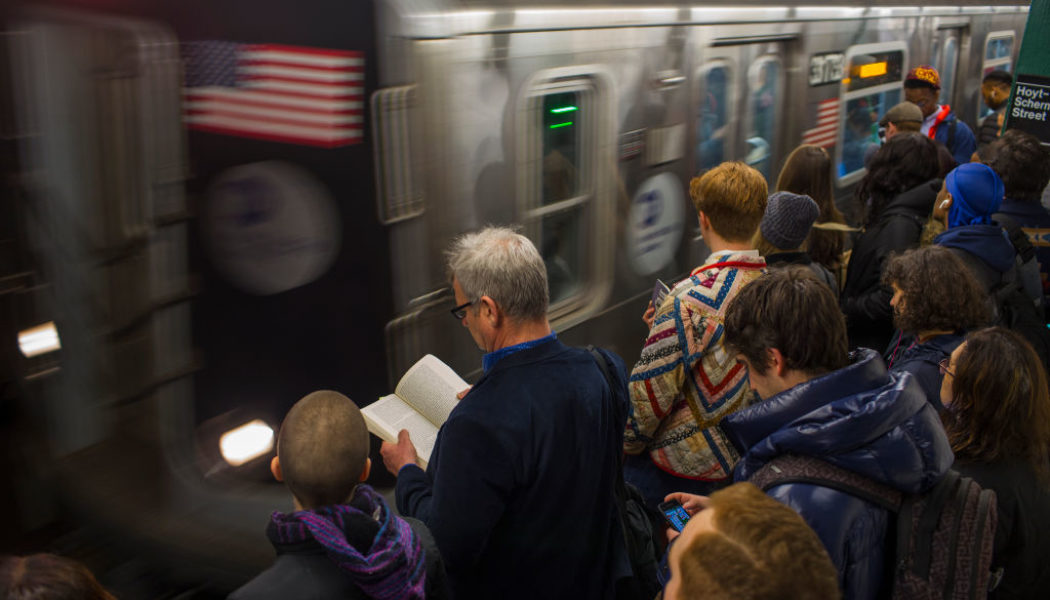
(224,206)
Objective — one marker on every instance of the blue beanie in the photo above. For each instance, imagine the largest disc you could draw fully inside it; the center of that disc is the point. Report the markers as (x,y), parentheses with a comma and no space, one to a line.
(977,191)
(788,219)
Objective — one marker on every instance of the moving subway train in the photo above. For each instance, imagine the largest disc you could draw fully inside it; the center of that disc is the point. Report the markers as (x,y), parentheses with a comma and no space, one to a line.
(224,206)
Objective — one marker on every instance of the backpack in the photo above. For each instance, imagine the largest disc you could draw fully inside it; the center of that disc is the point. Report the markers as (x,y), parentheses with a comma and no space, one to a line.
(943,538)
(639,525)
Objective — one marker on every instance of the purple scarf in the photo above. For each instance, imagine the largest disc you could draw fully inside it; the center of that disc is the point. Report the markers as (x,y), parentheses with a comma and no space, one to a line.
(394,565)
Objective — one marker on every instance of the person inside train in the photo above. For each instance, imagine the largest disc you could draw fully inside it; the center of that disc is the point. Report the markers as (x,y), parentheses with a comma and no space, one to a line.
(342,540)
(998,424)
(684,383)
(1023,164)
(740,544)
(936,300)
(819,400)
(782,233)
(519,489)
(897,194)
(48,577)
(904,117)
(807,171)
(995,89)
(922,87)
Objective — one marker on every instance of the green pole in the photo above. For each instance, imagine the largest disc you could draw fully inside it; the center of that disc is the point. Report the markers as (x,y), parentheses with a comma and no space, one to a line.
(1029,108)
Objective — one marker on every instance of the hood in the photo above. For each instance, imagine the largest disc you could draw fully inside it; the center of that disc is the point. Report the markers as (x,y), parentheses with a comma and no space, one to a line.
(861,418)
(987,242)
(918,200)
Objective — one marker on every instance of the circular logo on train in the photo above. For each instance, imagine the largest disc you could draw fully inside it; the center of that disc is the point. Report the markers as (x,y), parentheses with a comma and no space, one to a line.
(655,224)
(270,227)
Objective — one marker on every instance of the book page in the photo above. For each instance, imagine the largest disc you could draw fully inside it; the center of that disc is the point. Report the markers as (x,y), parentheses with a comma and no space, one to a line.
(430,386)
(389,415)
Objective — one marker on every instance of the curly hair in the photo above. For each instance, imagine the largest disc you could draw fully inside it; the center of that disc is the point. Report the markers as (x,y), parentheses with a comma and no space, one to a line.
(1022,163)
(902,163)
(1000,407)
(808,171)
(940,292)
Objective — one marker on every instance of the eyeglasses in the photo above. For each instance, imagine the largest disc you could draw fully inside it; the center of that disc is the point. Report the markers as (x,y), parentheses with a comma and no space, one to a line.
(461,311)
(944,367)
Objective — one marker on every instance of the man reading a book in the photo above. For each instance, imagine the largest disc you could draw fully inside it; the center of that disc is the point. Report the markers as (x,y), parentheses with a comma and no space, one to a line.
(519,490)
(685,381)
(342,540)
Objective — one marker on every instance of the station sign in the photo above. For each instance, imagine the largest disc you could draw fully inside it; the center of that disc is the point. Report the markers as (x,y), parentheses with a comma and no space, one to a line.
(1030,107)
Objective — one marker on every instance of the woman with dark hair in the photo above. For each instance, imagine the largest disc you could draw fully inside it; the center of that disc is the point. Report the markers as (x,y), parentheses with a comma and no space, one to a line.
(935,301)
(808,172)
(898,192)
(998,424)
(48,577)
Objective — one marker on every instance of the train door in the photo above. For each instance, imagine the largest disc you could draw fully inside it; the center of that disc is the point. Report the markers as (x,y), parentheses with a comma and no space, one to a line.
(739,104)
(945,57)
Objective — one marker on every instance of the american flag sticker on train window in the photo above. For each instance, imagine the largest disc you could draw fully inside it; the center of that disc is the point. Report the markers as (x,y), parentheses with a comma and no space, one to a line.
(826,131)
(290,94)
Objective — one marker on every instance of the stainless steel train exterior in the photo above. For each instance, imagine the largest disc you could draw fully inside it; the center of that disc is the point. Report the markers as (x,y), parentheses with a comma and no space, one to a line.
(204,272)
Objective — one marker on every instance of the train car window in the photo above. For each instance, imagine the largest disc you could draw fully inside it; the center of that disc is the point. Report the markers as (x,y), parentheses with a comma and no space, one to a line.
(557,190)
(714,116)
(948,62)
(764,84)
(562,118)
(871,87)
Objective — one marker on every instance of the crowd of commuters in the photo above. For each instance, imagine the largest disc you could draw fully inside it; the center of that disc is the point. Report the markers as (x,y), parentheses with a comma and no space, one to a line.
(889,360)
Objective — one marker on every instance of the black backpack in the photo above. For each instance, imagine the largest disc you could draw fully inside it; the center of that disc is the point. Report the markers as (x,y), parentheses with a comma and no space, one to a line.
(640,526)
(942,542)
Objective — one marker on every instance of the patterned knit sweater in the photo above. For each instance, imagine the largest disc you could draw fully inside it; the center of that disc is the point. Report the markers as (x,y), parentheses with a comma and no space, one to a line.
(685,380)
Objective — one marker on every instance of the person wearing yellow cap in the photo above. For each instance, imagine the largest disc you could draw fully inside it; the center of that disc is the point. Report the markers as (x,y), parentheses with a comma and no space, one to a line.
(922,87)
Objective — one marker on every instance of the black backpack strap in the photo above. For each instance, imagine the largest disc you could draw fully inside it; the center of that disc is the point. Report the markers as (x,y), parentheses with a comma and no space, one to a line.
(1022,245)
(951,132)
(790,468)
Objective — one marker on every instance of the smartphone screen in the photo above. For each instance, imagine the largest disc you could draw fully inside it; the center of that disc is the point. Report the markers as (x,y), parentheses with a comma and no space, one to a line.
(675,514)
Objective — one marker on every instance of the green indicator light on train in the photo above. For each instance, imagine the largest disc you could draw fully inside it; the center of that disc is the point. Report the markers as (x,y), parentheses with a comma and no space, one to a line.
(557,125)
(563,109)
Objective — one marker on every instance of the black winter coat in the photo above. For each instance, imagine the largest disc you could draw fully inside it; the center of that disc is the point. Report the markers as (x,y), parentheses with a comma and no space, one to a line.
(865,301)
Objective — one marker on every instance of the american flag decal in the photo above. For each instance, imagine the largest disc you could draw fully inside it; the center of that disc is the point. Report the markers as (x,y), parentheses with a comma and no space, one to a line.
(826,131)
(290,94)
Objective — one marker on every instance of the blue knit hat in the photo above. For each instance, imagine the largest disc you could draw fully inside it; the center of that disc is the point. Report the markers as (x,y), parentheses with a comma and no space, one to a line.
(977,191)
(788,219)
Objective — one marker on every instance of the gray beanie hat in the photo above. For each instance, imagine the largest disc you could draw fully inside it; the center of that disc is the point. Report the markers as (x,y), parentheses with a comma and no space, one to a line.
(788,219)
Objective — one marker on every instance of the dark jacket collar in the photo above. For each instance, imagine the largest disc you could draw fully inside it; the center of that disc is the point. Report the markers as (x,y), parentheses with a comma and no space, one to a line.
(917,201)
(861,418)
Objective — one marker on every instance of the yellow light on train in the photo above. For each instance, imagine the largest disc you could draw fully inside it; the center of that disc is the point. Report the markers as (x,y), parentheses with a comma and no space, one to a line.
(873,69)
(39,340)
(241,444)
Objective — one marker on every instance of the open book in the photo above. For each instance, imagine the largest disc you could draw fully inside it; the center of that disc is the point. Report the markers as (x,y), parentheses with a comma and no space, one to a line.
(421,403)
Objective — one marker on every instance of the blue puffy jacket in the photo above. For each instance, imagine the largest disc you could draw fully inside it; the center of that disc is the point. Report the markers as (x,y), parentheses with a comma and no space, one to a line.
(860,418)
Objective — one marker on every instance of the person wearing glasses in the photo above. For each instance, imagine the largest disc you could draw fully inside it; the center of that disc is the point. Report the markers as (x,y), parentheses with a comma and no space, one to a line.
(998,424)
(936,300)
(519,490)
(922,87)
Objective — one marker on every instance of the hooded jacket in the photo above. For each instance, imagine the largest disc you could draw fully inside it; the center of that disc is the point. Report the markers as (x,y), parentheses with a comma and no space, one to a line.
(985,248)
(865,301)
(860,418)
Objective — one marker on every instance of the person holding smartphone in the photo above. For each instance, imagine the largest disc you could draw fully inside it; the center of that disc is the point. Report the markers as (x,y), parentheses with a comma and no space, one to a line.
(740,543)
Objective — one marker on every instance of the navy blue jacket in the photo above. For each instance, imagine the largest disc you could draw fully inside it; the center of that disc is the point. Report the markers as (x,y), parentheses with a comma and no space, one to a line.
(906,355)
(519,489)
(964,144)
(860,418)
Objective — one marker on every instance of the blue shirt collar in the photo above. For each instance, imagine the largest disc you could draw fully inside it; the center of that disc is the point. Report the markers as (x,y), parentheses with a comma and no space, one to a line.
(490,359)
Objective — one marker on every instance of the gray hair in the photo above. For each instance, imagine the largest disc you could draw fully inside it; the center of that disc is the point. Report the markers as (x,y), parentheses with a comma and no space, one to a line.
(504,265)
